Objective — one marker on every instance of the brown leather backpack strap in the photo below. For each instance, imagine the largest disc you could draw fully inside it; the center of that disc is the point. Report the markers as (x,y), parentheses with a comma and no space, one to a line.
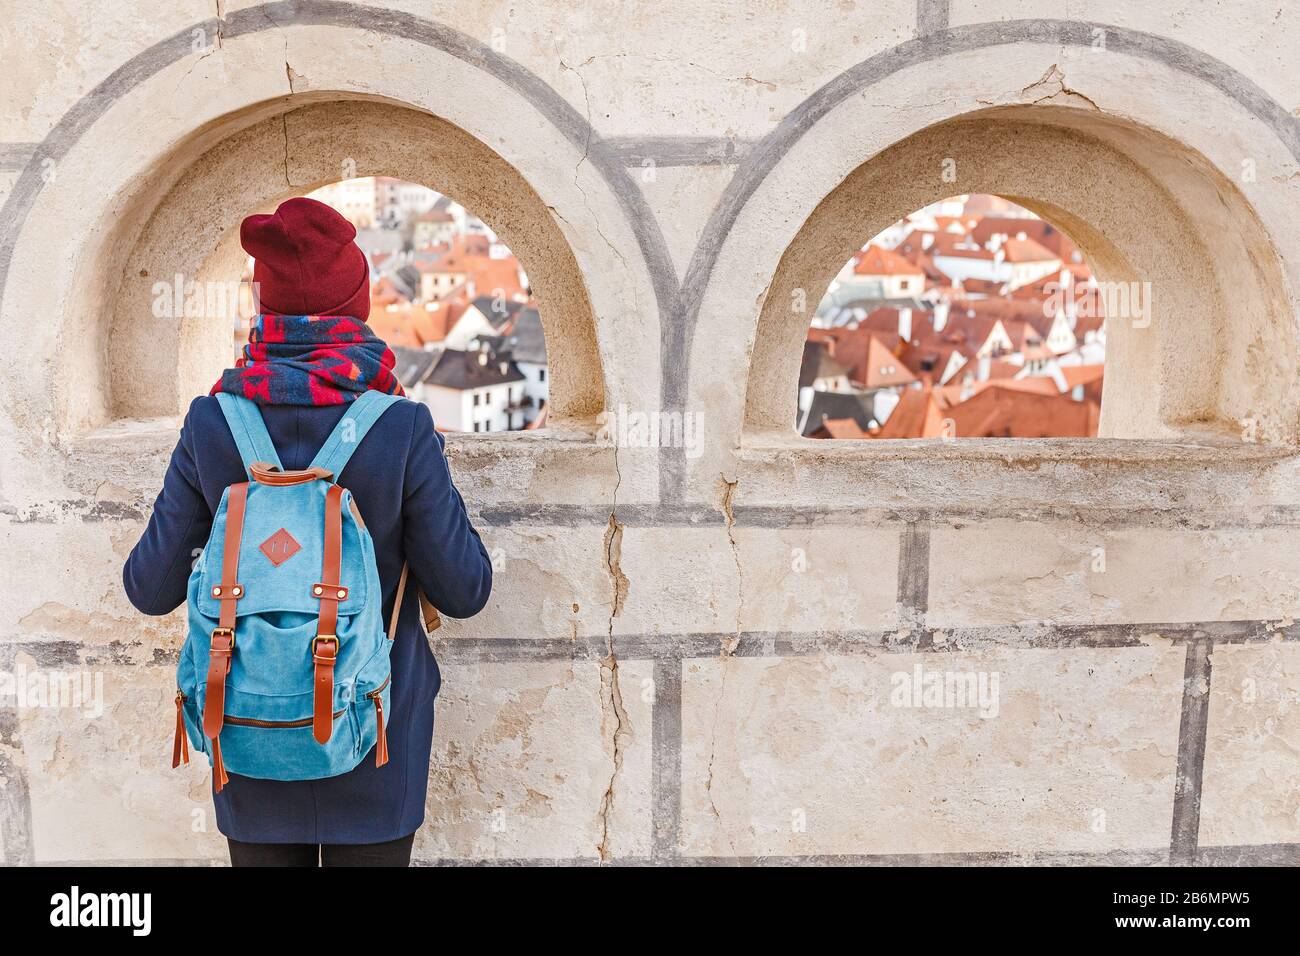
(219,778)
(227,593)
(397,601)
(432,620)
(325,645)
(268,474)
(222,650)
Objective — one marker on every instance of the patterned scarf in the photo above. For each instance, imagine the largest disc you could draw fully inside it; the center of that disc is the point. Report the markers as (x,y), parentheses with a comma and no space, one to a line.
(310,360)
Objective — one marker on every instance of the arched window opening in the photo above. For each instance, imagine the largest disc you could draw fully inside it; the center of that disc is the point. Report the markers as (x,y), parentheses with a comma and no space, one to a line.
(174,264)
(450,299)
(970,318)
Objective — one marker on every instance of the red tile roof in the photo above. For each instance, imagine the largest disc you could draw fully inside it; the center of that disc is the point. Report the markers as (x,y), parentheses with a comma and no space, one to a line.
(1001,412)
(879,261)
(929,359)
(1027,250)
(884,369)
(1082,374)
(960,247)
(982,286)
(1039,230)
(469,256)
(851,348)
(951,395)
(916,415)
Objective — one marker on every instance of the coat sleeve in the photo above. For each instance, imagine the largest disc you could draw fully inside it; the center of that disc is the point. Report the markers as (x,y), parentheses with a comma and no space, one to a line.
(157,572)
(447,557)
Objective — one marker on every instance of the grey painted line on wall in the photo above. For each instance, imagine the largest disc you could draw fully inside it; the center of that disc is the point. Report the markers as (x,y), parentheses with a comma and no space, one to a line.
(854,643)
(74,123)
(15,796)
(16,155)
(931,16)
(1263,854)
(702,645)
(794,516)
(799,515)
(666,761)
(1193,731)
(666,151)
(913,590)
(16,847)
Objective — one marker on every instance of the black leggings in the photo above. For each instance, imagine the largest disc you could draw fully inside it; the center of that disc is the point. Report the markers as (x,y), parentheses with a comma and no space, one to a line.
(393,853)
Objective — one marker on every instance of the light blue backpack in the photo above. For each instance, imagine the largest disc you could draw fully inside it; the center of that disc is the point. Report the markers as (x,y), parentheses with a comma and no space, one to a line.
(285,673)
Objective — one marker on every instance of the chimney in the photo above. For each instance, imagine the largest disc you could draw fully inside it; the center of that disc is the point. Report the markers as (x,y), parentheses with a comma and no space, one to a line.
(927,240)
(905,324)
(940,315)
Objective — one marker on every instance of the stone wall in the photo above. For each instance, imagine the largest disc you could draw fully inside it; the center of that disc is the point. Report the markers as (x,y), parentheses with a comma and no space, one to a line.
(696,652)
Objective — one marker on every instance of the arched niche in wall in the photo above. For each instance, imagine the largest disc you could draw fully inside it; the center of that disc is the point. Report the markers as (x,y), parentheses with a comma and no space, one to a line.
(155,365)
(1211,341)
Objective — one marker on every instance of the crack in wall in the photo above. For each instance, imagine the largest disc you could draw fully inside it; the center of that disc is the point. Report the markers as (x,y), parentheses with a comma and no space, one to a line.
(726,646)
(284,126)
(713,751)
(747,79)
(586,200)
(611,693)
(297,81)
(728,496)
(1044,84)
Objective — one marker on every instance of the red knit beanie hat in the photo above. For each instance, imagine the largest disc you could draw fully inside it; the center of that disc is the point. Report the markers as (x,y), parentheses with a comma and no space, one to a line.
(306,262)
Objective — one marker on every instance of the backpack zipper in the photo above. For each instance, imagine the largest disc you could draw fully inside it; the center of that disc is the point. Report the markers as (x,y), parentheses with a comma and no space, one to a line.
(180,742)
(381,733)
(253,722)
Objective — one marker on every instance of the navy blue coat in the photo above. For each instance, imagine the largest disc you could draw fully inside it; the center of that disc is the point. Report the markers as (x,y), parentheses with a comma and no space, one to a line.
(404,490)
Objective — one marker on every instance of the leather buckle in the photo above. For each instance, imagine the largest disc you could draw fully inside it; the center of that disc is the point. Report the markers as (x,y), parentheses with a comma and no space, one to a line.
(228,633)
(324,637)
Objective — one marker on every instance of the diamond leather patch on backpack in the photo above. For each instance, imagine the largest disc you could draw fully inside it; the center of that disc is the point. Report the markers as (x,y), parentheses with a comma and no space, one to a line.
(280,547)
